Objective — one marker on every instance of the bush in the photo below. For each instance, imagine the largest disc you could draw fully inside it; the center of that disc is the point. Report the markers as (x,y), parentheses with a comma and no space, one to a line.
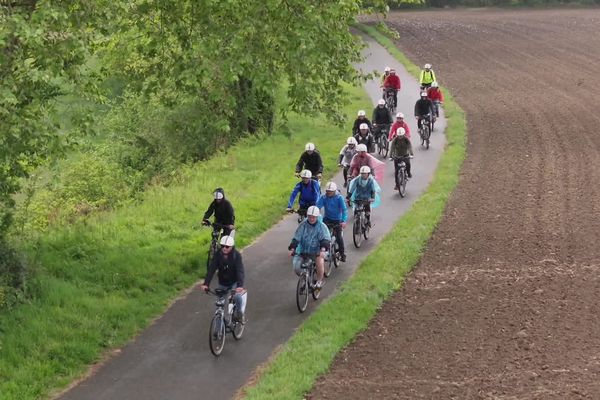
(11,277)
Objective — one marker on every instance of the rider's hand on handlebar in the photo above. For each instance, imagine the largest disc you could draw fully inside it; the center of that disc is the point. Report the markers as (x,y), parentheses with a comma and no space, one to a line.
(289,210)
(297,174)
(232,227)
(203,287)
(343,225)
(371,200)
(411,156)
(239,290)
(319,176)
(205,222)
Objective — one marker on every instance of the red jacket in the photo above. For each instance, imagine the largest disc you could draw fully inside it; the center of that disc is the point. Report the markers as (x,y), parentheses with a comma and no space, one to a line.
(394,128)
(435,94)
(392,81)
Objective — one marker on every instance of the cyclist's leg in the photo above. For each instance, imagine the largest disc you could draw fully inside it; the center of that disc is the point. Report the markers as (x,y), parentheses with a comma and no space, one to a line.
(240,300)
(320,261)
(368,212)
(340,241)
(395,98)
(345,172)
(407,163)
(396,166)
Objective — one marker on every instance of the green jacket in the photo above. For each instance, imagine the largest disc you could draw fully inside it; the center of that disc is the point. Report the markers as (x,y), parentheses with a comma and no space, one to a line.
(401,146)
(427,77)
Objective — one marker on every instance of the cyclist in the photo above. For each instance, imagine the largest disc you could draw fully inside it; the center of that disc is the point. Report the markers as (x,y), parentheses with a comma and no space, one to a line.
(386,73)
(434,93)
(364,188)
(362,158)
(399,123)
(311,239)
(365,137)
(223,210)
(392,84)
(423,107)
(335,213)
(310,159)
(381,118)
(309,190)
(361,119)
(401,147)
(346,154)
(227,264)
(427,76)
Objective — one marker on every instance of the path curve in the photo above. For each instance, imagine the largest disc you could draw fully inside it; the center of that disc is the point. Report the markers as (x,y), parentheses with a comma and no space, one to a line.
(171,358)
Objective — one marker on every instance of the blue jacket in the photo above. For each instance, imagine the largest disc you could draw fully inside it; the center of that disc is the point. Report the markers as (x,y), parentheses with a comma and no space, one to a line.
(309,194)
(363,189)
(335,208)
(310,238)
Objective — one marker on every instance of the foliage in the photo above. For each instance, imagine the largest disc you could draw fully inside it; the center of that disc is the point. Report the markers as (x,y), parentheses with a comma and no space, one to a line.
(309,353)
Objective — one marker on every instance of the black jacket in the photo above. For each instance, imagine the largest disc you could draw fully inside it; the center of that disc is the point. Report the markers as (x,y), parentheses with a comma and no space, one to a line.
(423,107)
(358,121)
(311,162)
(229,270)
(223,210)
(382,116)
(366,140)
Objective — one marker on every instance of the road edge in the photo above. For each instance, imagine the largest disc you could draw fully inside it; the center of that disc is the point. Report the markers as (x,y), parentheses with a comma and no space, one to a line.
(309,353)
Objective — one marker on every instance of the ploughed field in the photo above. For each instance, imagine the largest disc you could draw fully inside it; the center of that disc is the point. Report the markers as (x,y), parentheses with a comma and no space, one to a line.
(505,303)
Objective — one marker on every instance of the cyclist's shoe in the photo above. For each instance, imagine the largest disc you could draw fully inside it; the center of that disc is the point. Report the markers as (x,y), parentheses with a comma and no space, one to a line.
(396,187)
(345,184)
(342,257)
(410,175)
(238,316)
(319,285)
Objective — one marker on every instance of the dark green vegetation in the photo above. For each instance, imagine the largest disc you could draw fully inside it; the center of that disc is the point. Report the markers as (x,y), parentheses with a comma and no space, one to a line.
(129,92)
(309,353)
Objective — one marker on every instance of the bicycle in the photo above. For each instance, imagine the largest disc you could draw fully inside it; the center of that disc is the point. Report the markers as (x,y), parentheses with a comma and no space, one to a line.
(401,176)
(333,255)
(388,96)
(306,282)
(360,227)
(214,243)
(223,321)
(425,130)
(381,139)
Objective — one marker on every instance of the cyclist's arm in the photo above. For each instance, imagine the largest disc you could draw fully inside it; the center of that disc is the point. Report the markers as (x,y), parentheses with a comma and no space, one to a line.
(230,213)
(209,212)
(342,204)
(212,268)
(300,163)
(421,76)
(293,195)
(320,162)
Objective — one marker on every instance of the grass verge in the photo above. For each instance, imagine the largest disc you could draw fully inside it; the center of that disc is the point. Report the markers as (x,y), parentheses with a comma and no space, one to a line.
(309,353)
(104,279)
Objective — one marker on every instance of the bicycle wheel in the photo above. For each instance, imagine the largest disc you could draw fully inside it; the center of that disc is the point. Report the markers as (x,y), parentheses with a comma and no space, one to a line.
(238,328)
(401,182)
(383,146)
(357,231)
(426,135)
(315,293)
(302,292)
(216,336)
(331,258)
(336,261)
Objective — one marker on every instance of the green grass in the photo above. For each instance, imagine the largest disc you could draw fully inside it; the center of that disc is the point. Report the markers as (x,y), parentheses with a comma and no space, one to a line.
(310,352)
(104,279)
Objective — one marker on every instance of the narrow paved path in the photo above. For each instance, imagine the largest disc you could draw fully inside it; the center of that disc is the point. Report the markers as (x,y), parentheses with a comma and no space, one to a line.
(171,359)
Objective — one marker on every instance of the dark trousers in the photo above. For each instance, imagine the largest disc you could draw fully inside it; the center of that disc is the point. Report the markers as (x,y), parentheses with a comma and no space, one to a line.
(337,231)
(397,163)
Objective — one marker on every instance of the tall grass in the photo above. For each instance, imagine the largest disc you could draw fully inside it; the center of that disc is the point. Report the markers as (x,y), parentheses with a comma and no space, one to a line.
(310,352)
(102,280)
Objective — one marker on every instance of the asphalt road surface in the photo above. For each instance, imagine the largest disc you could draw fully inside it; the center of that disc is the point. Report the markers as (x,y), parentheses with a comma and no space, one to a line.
(171,358)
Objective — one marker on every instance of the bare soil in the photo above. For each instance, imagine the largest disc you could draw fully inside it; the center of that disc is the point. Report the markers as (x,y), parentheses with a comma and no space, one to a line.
(505,301)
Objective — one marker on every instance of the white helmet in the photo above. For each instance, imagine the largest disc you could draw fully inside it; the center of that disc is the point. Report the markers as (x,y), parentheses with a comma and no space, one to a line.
(313,211)
(427,66)
(387,69)
(227,241)
(365,169)
(361,113)
(363,126)
(381,102)
(351,140)
(400,132)
(423,94)
(361,147)
(331,187)
(434,84)
(306,174)
(309,146)
(399,115)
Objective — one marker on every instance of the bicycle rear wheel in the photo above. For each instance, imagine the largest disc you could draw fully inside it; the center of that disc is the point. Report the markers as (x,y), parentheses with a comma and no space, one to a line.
(302,292)
(216,336)
(357,231)
(366,228)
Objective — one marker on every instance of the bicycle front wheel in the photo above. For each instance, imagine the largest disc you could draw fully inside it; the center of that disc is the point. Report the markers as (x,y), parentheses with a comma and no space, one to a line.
(401,182)
(383,146)
(315,293)
(357,231)
(216,337)
(302,293)
(366,228)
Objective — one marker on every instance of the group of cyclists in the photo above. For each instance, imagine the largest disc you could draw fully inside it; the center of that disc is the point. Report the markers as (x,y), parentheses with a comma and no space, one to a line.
(324,214)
